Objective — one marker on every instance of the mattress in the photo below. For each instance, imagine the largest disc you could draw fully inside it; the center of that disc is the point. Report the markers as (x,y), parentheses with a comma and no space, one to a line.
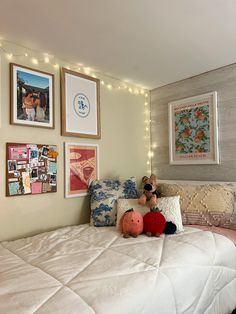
(84,269)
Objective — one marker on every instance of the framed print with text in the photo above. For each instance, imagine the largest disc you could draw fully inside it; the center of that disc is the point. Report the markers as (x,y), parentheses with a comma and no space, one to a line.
(193,130)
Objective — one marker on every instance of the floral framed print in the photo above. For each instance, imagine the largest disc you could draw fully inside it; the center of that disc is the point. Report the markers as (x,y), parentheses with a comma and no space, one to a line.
(32,97)
(81,168)
(80,101)
(193,130)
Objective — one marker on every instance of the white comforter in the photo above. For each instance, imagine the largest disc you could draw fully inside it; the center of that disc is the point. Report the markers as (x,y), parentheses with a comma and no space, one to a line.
(84,269)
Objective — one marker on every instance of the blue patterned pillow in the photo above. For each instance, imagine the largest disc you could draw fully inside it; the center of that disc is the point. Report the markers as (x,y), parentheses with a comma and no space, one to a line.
(104,194)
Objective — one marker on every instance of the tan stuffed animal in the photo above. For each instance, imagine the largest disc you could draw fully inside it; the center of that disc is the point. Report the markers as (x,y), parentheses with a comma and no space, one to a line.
(149,195)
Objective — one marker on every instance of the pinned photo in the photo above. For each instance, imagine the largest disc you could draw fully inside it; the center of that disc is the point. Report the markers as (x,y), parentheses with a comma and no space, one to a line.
(34,155)
(11,166)
(53,180)
(34,174)
(45,151)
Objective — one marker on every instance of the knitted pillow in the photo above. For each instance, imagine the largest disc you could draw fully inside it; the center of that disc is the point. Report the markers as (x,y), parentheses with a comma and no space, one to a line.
(209,204)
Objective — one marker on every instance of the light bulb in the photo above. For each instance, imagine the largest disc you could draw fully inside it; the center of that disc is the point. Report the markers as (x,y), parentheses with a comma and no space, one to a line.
(46,60)
(102,82)
(9,56)
(34,61)
(109,86)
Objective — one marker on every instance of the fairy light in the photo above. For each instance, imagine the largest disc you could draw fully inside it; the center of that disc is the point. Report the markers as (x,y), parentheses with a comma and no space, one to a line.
(9,56)
(46,58)
(35,61)
(87,71)
(146,103)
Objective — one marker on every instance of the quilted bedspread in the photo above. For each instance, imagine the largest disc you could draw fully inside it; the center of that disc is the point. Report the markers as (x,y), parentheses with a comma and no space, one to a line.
(84,269)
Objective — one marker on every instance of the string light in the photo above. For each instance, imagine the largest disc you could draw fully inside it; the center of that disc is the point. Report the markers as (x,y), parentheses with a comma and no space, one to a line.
(26,54)
(109,86)
(9,56)
(34,61)
(46,59)
(56,66)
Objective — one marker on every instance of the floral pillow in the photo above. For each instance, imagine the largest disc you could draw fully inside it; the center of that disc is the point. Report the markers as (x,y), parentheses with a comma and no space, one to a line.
(104,195)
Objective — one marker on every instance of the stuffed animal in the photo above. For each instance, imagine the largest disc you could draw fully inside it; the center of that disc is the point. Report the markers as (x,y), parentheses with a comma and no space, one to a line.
(150,194)
(154,224)
(131,224)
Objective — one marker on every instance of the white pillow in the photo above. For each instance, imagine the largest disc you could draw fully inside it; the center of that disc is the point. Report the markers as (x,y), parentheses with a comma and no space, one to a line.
(169,207)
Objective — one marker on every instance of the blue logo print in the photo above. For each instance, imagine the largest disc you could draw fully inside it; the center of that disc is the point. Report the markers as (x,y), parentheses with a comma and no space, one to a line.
(81,105)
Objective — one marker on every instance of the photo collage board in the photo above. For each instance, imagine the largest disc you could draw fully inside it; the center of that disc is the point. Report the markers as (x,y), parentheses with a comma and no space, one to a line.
(31,169)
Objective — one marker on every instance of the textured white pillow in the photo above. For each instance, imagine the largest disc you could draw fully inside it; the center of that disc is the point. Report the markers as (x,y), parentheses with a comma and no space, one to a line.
(169,207)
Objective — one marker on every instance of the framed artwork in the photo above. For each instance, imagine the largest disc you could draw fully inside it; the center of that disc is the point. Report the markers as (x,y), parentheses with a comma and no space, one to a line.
(193,130)
(80,101)
(81,167)
(32,97)
(31,169)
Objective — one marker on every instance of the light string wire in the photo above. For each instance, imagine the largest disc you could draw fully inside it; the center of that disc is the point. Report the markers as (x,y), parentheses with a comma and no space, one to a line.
(105,80)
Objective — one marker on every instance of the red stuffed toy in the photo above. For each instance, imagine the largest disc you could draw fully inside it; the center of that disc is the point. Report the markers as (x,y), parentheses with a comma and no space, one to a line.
(131,224)
(154,224)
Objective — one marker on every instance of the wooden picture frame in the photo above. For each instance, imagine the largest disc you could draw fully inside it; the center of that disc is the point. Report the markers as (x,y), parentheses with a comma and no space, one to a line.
(193,130)
(30,169)
(80,105)
(81,167)
(31,97)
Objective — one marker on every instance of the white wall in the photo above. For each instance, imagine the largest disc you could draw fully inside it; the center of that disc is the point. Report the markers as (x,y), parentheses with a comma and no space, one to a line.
(123,153)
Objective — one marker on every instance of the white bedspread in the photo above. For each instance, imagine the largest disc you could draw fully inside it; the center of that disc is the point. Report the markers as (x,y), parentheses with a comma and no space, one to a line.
(84,269)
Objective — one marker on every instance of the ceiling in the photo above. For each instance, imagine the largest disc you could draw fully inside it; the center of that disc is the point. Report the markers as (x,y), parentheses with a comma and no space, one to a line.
(145,42)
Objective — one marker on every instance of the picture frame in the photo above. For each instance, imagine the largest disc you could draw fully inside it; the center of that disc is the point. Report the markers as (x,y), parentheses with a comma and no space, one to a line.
(80,105)
(193,130)
(81,167)
(28,171)
(31,97)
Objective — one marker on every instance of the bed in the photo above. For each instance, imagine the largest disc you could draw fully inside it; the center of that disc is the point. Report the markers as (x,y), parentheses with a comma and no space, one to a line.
(85,269)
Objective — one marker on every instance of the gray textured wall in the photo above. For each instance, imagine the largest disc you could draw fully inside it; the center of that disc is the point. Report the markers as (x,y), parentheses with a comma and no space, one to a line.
(223,81)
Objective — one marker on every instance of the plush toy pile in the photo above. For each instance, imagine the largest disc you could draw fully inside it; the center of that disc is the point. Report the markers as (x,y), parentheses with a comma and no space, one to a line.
(153,223)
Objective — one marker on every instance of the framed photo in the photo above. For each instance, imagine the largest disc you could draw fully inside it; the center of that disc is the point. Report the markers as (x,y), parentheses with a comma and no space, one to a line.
(80,100)
(32,97)
(193,130)
(81,167)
